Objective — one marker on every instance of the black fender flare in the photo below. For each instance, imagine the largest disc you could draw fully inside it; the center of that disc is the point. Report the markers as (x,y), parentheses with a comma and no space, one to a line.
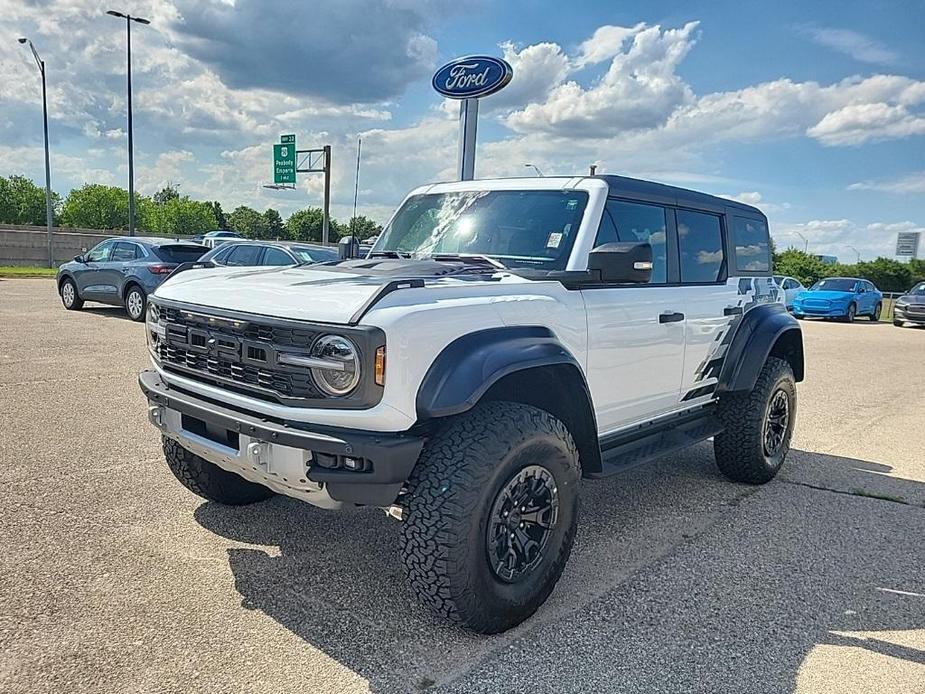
(466,368)
(763,329)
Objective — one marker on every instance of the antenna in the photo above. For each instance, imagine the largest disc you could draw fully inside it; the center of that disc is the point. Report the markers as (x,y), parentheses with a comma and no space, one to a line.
(356,191)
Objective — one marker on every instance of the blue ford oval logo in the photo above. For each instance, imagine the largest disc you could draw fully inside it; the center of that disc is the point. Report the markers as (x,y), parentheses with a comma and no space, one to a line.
(474,76)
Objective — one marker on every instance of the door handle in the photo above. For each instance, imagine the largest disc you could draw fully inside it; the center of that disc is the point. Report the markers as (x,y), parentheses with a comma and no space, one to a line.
(732,311)
(670,317)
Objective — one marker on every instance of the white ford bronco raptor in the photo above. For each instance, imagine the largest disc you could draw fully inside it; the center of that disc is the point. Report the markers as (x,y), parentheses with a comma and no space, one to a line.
(502,339)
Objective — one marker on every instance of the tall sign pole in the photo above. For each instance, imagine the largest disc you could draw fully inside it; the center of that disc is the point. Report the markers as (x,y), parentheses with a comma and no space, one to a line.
(288,161)
(326,223)
(468,79)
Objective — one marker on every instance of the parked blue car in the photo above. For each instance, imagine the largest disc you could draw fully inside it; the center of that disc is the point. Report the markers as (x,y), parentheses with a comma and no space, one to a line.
(123,271)
(840,297)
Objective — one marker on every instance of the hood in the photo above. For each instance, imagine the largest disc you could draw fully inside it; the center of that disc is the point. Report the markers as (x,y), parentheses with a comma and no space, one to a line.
(912,298)
(825,295)
(326,293)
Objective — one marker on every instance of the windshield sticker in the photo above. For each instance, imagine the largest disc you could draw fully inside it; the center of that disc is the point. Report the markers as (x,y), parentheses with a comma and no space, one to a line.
(555,238)
(571,204)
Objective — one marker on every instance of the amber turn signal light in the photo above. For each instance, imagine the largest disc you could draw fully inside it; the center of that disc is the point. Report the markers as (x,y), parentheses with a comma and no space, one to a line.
(380,366)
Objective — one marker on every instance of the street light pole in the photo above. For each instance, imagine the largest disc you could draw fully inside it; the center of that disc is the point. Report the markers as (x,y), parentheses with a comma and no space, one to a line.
(49,211)
(805,241)
(131,159)
(856,251)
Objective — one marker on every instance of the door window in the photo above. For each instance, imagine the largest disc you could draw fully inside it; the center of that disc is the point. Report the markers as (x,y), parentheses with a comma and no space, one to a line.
(100,252)
(640,223)
(274,256)
(244,255)
(124,252)
(700,245)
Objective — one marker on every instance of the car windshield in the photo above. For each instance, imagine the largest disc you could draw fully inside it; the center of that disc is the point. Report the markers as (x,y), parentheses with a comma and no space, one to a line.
(918,289)
(834,284)
(308,254)
(519,228)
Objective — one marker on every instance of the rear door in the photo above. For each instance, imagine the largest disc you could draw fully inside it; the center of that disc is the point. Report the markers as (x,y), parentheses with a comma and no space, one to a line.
(244,255)
(635,332)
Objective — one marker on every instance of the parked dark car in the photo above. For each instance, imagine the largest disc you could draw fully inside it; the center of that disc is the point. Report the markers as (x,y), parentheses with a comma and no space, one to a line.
(910,307)
(123,271)
(249,253)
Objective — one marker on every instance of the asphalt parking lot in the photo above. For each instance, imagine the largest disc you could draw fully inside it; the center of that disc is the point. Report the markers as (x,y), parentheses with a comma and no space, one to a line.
(113,578)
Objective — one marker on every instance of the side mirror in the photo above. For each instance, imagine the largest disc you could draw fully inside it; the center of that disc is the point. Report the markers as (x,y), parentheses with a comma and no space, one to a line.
(348,248)
(622,262)
(80,259)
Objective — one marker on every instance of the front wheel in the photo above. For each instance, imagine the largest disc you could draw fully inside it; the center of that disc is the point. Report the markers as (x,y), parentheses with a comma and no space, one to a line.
(491,508)
(852,312)
(757,425)
(898,323)
(69,296)
(875,316)
(135,301)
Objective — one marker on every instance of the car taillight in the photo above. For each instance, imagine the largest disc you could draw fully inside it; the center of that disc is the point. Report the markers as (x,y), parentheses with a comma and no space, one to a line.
(162,269)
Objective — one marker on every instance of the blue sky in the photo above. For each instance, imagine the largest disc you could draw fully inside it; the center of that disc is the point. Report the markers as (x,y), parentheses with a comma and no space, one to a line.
(813,111)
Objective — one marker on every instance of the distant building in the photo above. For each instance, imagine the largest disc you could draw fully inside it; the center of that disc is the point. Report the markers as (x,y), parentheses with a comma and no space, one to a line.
(827,259)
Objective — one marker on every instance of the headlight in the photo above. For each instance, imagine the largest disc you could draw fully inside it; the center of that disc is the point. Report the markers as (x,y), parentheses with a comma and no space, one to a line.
(154,331)
(902,305)
(341,372)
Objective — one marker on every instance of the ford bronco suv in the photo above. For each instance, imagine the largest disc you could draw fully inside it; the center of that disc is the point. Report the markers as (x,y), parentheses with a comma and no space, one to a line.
(502,339)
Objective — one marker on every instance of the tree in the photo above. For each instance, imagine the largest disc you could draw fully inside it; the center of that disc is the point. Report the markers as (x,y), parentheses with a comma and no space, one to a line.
(23,202)
(166,194)
(274,226)
(888,274)
(248,222)
(182,216)
(95,206)
(220,221)
(363,227)
(306,225)
(800,265)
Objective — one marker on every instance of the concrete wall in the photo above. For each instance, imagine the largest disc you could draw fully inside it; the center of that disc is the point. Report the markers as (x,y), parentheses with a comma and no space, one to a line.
(28,245)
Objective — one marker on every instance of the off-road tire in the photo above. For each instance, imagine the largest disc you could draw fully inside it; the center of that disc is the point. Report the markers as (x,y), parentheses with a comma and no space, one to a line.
(208,480)
(132,302)
(448,510)
(740,448)
(76,303)
(875,316)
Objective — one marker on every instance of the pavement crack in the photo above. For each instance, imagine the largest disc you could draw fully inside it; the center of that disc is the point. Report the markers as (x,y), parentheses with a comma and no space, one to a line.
(857,493)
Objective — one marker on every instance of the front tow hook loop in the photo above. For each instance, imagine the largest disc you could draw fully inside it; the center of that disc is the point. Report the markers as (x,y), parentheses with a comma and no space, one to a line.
(156,415)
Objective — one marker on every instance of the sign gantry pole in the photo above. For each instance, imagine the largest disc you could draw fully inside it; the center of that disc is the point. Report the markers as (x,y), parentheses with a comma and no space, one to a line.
(289,161)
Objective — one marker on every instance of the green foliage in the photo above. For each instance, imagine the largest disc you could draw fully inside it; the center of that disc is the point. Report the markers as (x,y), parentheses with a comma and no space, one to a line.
(887,274)
(166,194)
(220,221)
(178,216)
(95,206)
(248,222)
(23,202)
(306,225)
(273,224)
(363,227)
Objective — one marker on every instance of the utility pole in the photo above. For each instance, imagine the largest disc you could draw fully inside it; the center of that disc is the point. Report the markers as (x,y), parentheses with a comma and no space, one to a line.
(49,211)
(131,159)
(326,223)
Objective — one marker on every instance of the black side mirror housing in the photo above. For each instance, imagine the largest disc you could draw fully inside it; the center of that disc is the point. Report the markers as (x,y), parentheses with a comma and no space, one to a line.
(80,259)
(621,263)
(348,248)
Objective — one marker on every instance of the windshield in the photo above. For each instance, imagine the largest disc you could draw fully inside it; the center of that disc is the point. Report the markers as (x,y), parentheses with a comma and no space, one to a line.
(834,284)
(918,289)
(521,228)
(308,254)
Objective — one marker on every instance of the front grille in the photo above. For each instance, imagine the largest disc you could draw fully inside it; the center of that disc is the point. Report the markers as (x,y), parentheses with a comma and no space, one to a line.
(237,352)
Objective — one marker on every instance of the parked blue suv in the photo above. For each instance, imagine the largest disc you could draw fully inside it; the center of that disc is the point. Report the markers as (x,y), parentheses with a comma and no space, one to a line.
(840,297)
(123,271)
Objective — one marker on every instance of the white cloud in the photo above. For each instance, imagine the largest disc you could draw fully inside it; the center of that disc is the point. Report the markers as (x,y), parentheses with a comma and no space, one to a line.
(606,42)
(837,236)
(911,184)
(851,43)
(538,68)
(858,123)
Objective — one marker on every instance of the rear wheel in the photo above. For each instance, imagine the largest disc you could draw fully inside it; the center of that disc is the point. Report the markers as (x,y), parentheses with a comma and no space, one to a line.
(757,426)
(875,316)
(69,296)
(491,515)
(135,300)
(208,480)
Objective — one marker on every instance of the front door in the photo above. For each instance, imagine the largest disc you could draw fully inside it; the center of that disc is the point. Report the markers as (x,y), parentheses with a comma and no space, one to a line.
(635,333)
(89,281)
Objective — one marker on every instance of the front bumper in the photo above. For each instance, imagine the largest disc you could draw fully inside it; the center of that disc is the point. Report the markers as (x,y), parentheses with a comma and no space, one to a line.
(908,316)
(306,463)
(831,312)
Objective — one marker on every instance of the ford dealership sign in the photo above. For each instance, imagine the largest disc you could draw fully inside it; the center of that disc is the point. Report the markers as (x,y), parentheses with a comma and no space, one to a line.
(472,77)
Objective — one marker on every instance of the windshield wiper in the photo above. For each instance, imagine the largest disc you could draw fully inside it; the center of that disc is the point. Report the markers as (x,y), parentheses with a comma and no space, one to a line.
(470,258)
(389,254)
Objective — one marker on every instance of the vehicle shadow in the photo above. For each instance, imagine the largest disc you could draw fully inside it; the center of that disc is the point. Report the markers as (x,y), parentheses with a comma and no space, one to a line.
(679,581)
(107,312)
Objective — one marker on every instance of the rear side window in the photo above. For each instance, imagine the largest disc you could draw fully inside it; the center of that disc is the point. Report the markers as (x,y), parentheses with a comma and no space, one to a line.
(179,253)
(636,222)
(244,255)
(752,252)
(221,256)
(309,254)
(124,252)
(700,246)
(274,256)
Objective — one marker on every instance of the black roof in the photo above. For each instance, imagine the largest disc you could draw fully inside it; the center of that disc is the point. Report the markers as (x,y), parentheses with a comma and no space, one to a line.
(623,186)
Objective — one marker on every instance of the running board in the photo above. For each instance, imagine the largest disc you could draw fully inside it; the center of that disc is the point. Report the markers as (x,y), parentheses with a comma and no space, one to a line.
(626,451)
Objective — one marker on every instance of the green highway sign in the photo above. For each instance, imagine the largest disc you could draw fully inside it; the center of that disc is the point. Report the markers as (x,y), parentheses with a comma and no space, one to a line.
(284,162)
(287,139)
